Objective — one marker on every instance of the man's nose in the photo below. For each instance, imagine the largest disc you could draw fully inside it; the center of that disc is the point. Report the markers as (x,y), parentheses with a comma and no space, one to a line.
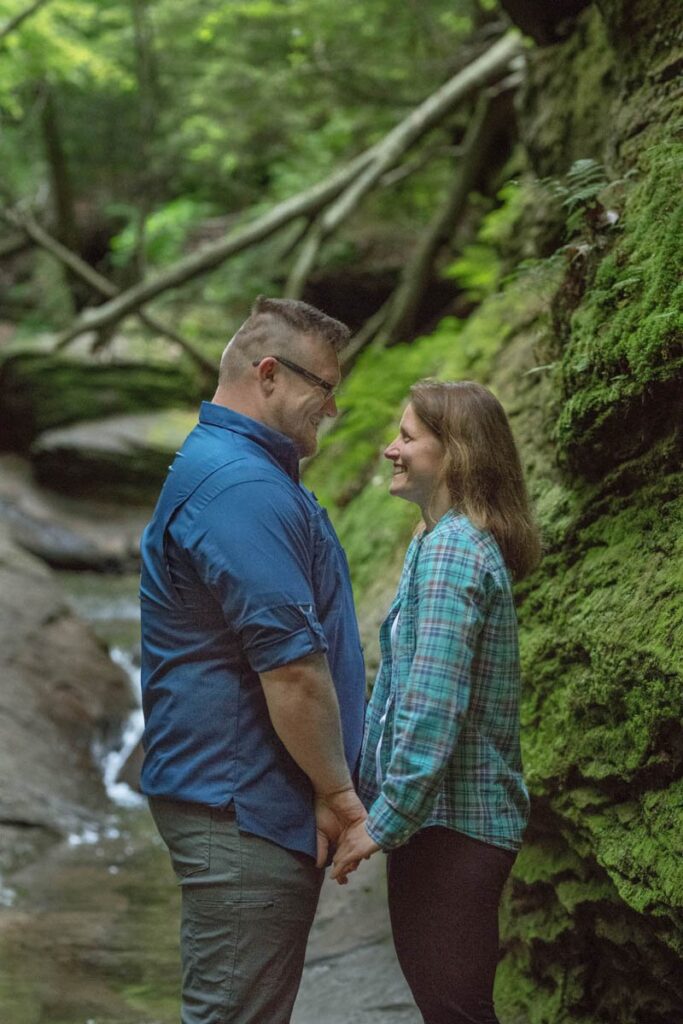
(330,407)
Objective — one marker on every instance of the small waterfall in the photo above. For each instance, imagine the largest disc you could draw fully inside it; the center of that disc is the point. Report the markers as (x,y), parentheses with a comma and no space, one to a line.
(110,605)
(112,760)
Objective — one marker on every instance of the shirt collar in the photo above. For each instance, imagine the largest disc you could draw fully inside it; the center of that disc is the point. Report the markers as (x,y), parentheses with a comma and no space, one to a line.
(280,447)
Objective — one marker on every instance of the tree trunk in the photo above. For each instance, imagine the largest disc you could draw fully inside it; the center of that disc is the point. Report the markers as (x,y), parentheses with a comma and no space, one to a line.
(61,191)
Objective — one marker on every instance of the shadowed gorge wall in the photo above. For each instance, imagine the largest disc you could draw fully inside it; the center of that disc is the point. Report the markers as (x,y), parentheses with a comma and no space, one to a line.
(585,350)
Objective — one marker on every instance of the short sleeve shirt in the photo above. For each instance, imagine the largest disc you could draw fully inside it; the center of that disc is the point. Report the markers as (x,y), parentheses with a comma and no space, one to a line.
(242,573)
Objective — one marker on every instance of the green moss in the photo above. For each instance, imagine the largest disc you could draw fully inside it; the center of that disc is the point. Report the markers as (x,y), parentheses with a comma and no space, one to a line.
(41,391)
(568,99)
(623,364)
(599,647)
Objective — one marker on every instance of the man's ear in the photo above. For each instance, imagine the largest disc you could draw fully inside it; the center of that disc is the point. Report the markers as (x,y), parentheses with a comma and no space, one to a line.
(266,371)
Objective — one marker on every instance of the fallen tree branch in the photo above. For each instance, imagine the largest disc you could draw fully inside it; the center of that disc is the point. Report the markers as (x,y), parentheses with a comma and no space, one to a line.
(308,254)
(480,73)
(364,337)
(350,185)
(20,18)
(26,223)
(213,254)
(483,71)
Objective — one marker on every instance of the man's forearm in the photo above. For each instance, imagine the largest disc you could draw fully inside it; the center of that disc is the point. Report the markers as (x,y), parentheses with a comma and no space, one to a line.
(304,711)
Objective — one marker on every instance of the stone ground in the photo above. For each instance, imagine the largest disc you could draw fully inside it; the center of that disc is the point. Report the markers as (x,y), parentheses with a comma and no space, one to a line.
(351,974)
(91,937)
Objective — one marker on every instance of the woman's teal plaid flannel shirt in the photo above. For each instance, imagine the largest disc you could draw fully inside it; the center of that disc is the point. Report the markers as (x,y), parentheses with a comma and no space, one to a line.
(448,751)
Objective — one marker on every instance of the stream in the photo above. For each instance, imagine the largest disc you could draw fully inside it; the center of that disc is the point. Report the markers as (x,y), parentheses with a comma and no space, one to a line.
(89,931)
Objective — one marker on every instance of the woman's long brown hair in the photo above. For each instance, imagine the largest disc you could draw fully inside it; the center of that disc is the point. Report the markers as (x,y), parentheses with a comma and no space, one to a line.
(481,465)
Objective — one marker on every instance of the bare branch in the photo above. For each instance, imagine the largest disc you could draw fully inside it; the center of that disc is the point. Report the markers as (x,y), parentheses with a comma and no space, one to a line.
(486,69)
(215,253)
(20,18)
(27,224)
(480,150)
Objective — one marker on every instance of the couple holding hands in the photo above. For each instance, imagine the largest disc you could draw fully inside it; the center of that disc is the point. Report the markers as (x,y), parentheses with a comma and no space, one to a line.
(261,758)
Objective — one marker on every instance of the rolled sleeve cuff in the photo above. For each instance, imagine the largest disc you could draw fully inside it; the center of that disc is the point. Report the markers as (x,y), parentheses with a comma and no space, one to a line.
(387,826)
(280,635)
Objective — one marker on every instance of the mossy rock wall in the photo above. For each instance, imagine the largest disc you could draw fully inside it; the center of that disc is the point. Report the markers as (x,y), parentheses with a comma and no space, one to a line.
(585,353)
(40,391)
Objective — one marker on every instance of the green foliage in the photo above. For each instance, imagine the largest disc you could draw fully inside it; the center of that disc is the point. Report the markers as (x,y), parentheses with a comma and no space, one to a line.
(578,192)
(166,230)
(74,41)
(271,96)
(476,270)
(479,267)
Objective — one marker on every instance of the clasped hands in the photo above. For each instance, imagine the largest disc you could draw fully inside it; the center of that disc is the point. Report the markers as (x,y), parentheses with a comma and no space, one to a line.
(340,823)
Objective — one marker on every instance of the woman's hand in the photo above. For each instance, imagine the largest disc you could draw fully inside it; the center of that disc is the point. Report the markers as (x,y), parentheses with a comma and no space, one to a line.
(355,846)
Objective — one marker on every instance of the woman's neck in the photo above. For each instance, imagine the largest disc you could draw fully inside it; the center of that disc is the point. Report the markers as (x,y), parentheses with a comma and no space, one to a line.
(437,507)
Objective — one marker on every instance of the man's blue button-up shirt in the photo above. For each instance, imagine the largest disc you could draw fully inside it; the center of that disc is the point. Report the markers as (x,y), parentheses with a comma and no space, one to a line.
(242,572)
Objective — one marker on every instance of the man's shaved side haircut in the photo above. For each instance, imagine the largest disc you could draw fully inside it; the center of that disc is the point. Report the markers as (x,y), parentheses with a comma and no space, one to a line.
(273,328)
(303,319)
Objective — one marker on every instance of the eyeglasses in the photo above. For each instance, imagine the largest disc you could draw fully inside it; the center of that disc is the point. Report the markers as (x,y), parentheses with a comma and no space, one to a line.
(328,388)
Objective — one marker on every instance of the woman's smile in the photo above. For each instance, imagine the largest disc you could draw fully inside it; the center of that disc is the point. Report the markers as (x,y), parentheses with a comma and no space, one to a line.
(417,455)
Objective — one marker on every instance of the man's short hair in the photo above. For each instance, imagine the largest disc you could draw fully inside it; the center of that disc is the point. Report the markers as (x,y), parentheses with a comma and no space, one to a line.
(274,327)
(303,319)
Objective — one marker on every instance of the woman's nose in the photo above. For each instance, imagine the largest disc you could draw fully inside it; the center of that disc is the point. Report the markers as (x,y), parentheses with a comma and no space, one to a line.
(390,451)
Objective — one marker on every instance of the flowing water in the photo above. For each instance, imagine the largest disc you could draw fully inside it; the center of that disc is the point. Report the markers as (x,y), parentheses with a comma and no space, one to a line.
(89,936)
(89,931)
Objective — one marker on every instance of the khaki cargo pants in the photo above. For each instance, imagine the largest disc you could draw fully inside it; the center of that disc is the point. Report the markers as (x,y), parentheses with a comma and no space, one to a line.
(247,908)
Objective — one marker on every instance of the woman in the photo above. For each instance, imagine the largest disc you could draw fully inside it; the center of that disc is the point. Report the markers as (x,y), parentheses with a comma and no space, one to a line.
(441,771)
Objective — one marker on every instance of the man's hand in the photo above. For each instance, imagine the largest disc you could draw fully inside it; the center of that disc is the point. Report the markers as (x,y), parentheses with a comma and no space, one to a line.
(356,845)
(334,813)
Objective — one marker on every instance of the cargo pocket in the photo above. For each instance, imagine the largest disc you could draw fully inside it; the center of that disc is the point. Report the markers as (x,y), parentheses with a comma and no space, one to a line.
(219,933)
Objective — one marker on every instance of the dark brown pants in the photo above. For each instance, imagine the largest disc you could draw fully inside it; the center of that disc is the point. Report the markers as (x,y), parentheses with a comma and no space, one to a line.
(444,891)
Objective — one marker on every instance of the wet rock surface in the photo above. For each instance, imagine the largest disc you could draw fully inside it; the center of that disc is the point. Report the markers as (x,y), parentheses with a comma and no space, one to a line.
(352,975)
(64,531)
(100,915)
(59,691)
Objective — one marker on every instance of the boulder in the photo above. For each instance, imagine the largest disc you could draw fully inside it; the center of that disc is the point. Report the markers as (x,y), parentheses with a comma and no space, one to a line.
(41,390)
(59,692)
(64,531)
(123,456)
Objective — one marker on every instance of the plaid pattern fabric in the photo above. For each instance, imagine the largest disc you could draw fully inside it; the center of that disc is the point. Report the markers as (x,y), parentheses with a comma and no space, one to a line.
(441,743)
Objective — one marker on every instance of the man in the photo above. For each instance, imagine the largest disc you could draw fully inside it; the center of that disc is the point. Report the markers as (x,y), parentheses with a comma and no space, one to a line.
(252,672)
